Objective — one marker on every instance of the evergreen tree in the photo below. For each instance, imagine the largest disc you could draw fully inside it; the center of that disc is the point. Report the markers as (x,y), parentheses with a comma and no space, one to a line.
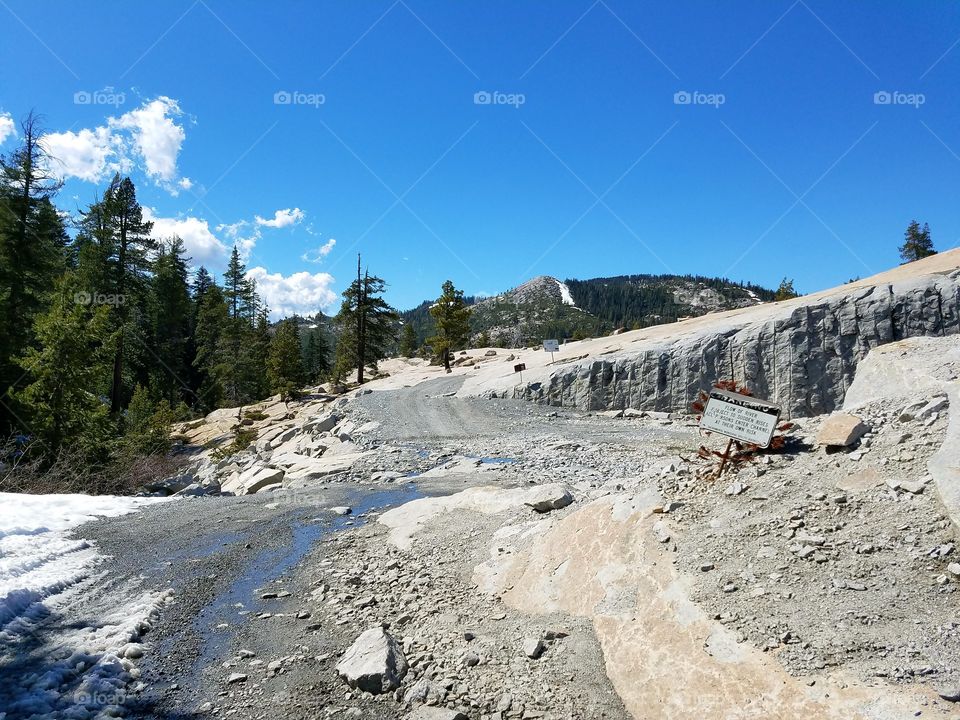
(115,258)
(61,404)
(242,351)
(316,360)
(237,288)
(32,250)
(408,341)
(916,243)
(212,317)
(452,316)
(785,291)
(284,364)
(366,324)
(148,423)
(171,321)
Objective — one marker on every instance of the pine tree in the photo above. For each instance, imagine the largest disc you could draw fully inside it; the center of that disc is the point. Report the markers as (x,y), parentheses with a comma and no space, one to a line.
(367,325)
(147,427)
(61,404)
(916,243)
(242,351)
(316,360)
(171,311)
(785,291)
(32,250)
(237,287)
(284,364)
(115,259)
(452,316)
(212,317)
(408,341)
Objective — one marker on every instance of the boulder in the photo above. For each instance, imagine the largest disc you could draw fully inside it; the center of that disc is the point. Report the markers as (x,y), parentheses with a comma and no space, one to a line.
(374,663)
(840,430)
(321,424)
(436,713)
(548,497)
(254,479)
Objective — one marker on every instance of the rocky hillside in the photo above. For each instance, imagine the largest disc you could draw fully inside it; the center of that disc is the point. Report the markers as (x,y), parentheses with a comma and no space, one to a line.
(643,300)
(800,353)
(545,307)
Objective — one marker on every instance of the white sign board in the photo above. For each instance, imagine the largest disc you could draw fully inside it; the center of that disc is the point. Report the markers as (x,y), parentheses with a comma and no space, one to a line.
(740,417)
(551,346)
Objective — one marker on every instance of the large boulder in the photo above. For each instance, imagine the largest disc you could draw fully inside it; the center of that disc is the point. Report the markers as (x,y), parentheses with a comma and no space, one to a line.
(253,479)
(374,663)
(548,497)
(841,430)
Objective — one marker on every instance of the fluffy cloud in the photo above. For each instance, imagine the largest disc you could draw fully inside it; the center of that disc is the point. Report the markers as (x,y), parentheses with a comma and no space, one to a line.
(317,254)
(84,155)
(147,137)
(302,293)
(202,245)
(282,218)
(7,127)
(242,235)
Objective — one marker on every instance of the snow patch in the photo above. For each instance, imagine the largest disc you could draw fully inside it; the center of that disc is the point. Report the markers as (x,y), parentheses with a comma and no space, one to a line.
(56,660)
(565,295)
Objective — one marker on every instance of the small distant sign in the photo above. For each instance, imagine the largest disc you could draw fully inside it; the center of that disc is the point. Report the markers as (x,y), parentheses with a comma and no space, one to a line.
(520,367)
(551,346)
(740,417)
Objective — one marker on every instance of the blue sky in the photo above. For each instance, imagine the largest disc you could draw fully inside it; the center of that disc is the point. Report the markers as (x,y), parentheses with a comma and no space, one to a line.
(488,142)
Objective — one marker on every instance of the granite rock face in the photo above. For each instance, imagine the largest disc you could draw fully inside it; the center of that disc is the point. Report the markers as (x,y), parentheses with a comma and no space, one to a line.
(801,355)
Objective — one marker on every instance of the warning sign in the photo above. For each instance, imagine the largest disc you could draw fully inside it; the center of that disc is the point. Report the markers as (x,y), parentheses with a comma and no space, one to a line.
(740,417)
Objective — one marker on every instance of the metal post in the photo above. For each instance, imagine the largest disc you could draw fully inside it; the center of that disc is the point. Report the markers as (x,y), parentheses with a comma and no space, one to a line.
(726,455)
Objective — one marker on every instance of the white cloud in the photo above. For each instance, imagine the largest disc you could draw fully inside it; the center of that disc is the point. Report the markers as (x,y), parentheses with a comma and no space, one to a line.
(202,245)
(317,254)
(282,218)
(302,293)
(241,235)
(82,154)
(147,137)
(7,127)
(157,139)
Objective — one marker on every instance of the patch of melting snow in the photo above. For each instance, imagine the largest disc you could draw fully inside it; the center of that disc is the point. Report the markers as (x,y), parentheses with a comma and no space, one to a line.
(54,664)
(565,296)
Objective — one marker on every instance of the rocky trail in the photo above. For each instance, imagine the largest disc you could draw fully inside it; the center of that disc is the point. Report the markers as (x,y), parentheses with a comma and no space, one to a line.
(406,552)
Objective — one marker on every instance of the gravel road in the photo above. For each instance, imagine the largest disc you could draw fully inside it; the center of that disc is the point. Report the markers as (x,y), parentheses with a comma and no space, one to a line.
(219,554)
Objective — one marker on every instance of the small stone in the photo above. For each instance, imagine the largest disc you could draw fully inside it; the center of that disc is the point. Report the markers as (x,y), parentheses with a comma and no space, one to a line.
(236,678)
(706,567)
(533,647)
(734,489)
(341,510)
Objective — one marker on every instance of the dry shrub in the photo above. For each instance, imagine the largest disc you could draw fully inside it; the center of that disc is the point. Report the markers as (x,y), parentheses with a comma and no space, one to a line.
(126,475)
